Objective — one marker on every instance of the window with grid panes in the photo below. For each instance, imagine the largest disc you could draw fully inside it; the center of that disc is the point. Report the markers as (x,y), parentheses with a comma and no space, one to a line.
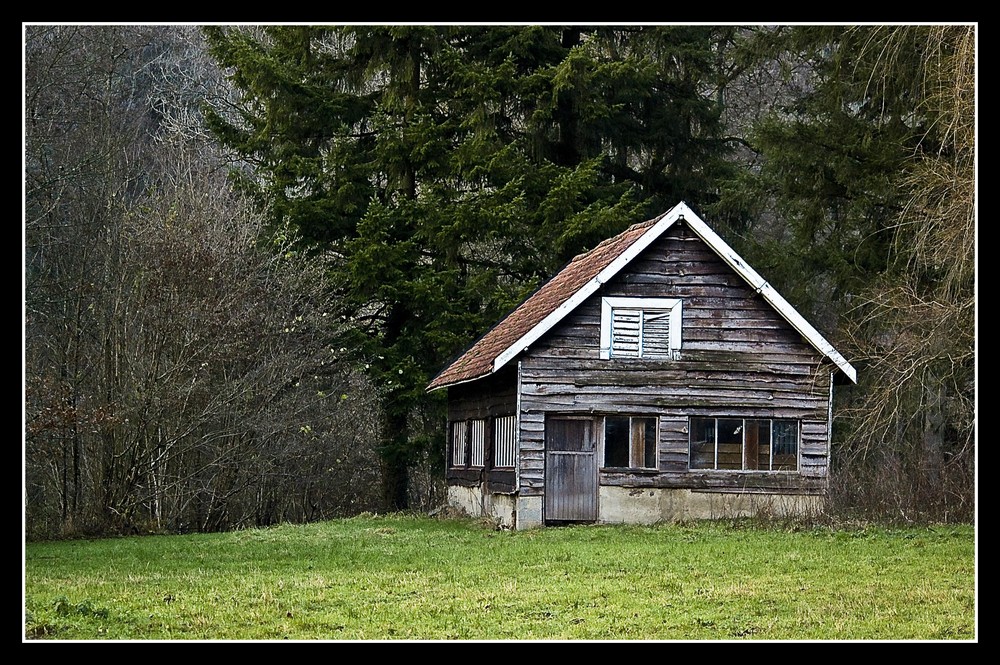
(744,444)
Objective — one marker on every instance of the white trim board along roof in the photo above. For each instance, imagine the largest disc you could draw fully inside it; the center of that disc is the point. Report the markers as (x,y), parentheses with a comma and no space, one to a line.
(585,274)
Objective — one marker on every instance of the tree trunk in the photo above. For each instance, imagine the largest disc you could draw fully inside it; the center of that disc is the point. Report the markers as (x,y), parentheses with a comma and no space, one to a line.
(395,462)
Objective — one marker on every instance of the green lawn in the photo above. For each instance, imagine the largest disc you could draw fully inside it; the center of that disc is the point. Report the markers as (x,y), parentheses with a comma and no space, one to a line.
(416,578)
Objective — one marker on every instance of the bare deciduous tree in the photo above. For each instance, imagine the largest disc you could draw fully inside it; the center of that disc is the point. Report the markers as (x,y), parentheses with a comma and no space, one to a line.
(179,374)
(915,421)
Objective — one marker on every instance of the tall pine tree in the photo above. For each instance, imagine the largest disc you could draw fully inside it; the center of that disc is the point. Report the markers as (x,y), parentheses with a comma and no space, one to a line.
(448,170)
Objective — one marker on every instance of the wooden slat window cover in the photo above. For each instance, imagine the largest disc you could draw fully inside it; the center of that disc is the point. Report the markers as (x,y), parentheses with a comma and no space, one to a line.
(640,328)
(656,334)
(458,430)
(744,444)
(504,444)
(626,326)
(477,435)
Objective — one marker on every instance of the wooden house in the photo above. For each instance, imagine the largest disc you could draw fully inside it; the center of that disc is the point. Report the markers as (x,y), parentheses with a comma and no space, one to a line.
(656,377)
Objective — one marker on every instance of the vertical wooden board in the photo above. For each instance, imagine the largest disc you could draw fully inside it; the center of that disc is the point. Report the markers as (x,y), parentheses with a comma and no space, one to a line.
(570,487)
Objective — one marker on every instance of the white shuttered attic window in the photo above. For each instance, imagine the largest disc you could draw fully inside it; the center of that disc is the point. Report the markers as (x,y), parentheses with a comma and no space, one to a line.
(640,328)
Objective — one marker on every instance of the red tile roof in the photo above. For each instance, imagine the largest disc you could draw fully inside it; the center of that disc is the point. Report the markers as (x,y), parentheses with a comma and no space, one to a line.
(477,361)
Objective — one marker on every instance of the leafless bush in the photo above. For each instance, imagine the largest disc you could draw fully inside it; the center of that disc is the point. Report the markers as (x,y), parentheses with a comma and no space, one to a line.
(895,488)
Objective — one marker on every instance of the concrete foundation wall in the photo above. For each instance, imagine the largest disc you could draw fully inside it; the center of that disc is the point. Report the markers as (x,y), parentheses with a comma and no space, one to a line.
(529,512)
(473,502)
(624,505)
(619,505)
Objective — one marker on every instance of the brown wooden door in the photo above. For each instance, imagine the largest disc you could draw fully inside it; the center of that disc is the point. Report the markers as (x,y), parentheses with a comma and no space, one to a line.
(570,470)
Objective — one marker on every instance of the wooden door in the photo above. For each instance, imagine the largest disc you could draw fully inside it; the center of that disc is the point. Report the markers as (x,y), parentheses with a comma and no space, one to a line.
(570,470)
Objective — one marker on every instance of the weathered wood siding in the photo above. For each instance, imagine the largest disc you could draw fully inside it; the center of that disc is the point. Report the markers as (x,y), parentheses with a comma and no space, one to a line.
(487,398)
(739,357)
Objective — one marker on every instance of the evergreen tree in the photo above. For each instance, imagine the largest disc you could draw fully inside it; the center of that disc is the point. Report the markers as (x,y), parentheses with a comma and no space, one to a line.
(451,169)
(825,195)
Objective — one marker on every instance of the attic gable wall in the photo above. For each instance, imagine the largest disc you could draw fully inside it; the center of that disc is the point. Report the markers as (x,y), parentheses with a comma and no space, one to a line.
(723,317)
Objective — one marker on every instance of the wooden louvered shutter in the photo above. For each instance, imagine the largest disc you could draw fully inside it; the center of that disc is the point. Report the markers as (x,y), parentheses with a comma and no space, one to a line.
(655,334)
(458,441)
(504,441)
(625,332)
(477,436)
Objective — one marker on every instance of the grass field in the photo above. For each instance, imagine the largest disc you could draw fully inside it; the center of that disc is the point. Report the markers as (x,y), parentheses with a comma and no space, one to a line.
(402,577)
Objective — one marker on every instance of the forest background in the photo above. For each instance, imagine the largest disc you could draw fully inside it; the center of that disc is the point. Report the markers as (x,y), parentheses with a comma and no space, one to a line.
(247,249)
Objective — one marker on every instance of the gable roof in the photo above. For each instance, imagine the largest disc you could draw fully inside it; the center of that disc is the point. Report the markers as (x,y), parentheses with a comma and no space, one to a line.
(584,275)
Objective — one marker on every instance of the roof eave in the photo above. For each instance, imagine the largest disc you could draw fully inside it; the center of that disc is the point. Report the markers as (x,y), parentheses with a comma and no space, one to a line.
(449,384)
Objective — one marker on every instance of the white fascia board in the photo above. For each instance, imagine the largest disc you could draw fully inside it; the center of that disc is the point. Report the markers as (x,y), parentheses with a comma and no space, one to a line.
(761,285)
(655,231)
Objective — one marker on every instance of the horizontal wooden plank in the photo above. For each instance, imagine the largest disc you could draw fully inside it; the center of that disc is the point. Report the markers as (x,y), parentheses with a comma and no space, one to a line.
(698,364)
(670,281)
(712,302)
(814,491)
(603,396)
(559,354)
(743,352)
(568,406)
(684,263)
(674,381)
(650,286)
(584,371)
(604,399)
(495,487)
(734,480)
(777,340)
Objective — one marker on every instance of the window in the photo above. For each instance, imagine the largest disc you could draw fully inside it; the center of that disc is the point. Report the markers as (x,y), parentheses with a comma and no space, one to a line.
(458,430)
(470,443)
(744,444)
(504,449)
(640,328)
(477,438)
(630,442)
